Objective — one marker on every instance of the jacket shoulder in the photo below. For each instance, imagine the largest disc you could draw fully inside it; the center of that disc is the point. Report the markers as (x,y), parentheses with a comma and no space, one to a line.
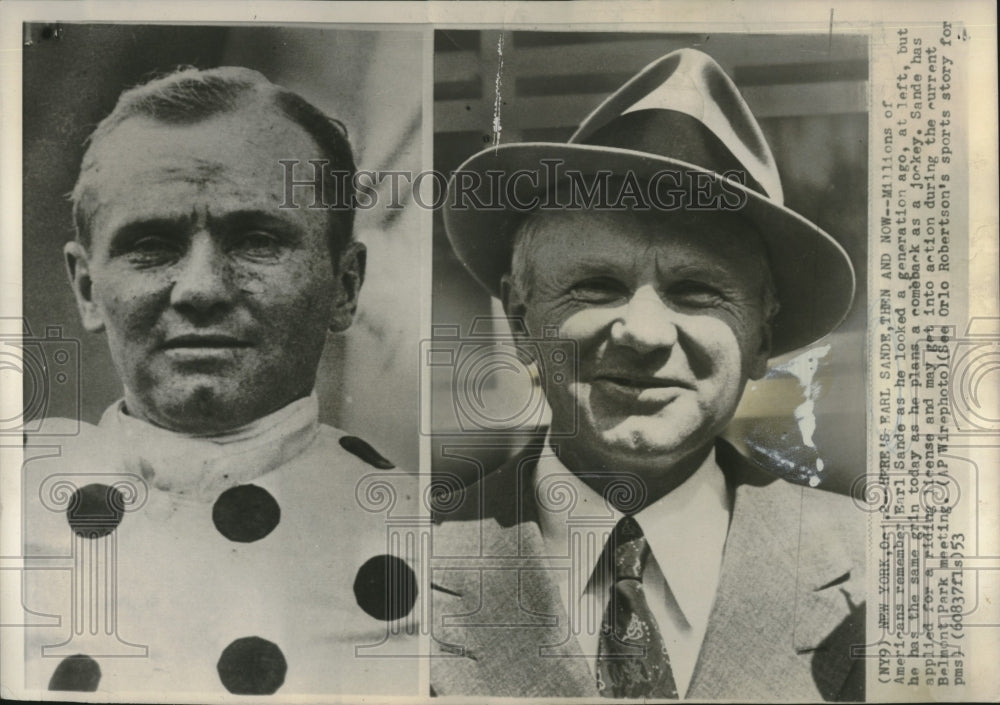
(503,494)
(829,526)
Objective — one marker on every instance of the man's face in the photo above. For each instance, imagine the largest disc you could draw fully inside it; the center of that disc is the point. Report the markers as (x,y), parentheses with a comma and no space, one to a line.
(216,302)
(667,314)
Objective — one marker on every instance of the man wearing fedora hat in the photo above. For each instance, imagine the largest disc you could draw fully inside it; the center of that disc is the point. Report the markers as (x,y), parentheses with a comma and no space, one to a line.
(629,552)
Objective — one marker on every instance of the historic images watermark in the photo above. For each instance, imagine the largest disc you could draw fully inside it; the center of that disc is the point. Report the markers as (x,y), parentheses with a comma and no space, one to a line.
(48,363)
(471,364)
(550,186)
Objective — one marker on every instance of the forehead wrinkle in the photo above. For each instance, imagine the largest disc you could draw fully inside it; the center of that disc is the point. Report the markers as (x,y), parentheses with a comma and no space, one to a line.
(200,172)
(675,253)
(583,264)
(700,267)
(180,211)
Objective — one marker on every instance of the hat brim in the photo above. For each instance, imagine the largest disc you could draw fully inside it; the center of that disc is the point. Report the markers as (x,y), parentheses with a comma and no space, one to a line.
(812,273)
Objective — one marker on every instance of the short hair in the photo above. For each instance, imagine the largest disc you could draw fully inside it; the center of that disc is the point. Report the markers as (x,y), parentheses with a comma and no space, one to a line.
(188,96)
(527,229)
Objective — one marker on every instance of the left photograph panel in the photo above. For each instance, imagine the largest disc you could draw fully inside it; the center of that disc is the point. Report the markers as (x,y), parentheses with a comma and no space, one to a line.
(222,296)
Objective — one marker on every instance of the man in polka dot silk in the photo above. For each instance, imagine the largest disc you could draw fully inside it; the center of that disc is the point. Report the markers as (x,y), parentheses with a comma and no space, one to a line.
(209,536)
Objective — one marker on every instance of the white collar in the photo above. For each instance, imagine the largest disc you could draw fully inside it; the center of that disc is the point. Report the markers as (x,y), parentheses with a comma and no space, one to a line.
(679,526)
(202,466)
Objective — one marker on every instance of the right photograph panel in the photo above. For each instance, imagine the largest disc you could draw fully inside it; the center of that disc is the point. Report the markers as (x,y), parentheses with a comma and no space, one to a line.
(647,365)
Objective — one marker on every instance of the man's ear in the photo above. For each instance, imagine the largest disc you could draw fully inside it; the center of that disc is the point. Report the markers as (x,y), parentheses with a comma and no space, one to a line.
(514,306)
(78,269)
(350,276)
(758,365)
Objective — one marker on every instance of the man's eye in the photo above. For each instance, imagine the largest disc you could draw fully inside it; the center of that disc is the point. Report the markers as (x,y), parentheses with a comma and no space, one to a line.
(258,244)
(695,293)
(151,250)
(599,289)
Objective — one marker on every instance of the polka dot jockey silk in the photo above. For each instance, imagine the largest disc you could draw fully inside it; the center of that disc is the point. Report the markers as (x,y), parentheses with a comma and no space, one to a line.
(632,660)
(249,564)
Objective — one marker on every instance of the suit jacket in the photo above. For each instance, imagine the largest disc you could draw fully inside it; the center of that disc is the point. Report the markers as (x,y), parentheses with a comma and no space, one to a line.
(789,607)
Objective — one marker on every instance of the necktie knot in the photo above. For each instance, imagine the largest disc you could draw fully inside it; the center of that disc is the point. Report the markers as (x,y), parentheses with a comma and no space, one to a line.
(631,550)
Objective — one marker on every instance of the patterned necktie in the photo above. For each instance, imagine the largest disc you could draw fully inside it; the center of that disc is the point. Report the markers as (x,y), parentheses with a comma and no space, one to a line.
(632,659)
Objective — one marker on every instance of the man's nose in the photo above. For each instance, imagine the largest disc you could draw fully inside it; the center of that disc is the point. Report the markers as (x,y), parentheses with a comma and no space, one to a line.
(647,323)
(203,280)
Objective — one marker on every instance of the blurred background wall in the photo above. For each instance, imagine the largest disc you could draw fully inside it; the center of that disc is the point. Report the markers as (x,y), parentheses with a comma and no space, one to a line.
(370,80)
(809,93)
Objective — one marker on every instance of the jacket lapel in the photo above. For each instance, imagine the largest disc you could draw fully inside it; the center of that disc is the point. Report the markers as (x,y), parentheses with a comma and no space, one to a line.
(785,586)
(499,625)
(500,628)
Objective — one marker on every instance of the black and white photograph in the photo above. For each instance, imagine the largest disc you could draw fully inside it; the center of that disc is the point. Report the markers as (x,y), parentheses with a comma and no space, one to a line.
(241,336)
(659,226)
(468,351)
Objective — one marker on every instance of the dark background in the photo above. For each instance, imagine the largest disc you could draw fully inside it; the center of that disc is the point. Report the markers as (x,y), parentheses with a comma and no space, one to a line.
(72,77)
(369,79)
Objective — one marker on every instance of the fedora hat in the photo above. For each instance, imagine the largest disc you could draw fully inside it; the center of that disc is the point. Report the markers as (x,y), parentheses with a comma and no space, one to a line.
(679,123)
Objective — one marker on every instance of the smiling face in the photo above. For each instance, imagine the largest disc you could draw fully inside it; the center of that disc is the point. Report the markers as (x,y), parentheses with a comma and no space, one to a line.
(215,302)
(668,316)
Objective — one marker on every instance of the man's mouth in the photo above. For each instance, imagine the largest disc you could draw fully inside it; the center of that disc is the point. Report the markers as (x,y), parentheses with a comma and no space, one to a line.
(642,388)
(206,341)
(643,381)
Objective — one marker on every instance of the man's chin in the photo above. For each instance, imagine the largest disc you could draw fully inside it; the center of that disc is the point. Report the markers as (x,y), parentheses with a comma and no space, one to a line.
(650,440)
(201,408)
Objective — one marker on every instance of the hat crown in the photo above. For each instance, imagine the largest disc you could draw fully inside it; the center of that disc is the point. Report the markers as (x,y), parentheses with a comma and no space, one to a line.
(682,117)
(690,83)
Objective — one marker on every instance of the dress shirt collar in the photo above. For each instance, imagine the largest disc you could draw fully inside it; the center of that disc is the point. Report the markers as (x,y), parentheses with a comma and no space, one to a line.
(682,527)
